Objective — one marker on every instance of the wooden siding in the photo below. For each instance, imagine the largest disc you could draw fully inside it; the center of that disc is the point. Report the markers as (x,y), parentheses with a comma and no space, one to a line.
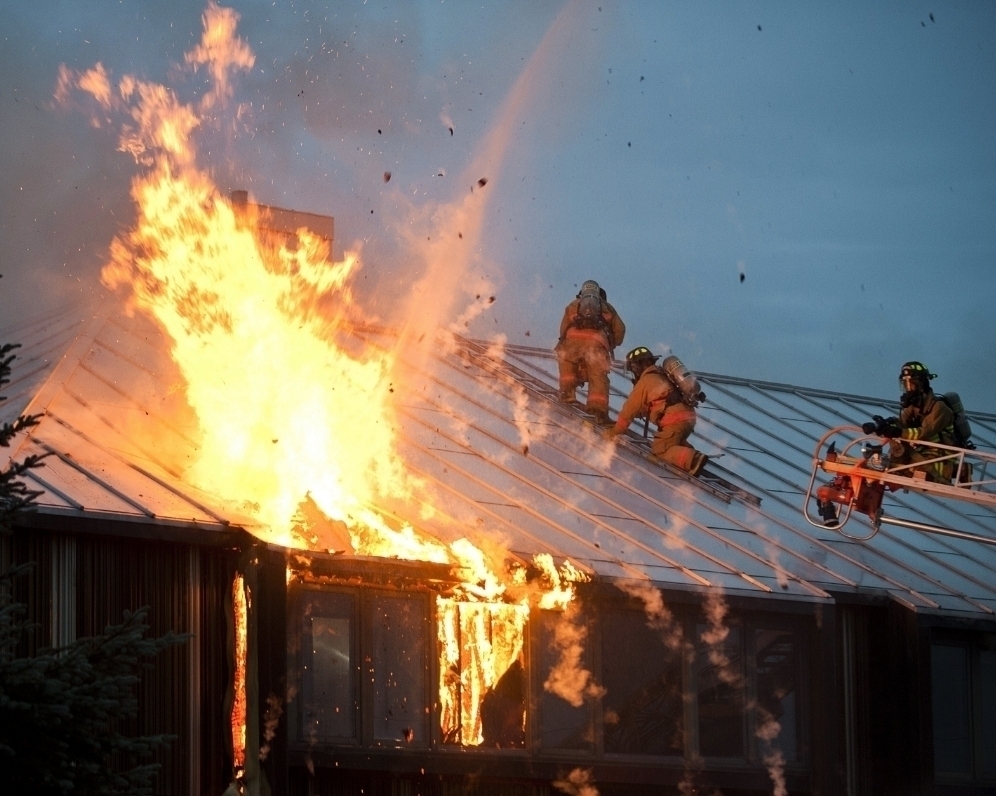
(182,692)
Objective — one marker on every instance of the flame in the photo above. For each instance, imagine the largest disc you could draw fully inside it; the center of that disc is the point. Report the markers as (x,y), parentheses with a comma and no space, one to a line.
(295,424)
(240,605)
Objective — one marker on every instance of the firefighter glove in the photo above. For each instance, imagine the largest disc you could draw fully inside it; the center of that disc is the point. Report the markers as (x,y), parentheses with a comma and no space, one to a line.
(869,427)
(887,427)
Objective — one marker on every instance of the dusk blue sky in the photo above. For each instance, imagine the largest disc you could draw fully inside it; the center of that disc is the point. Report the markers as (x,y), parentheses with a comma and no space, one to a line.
(840,156)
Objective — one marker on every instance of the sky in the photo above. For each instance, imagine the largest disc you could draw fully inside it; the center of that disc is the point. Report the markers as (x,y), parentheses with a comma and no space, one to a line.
(792,192)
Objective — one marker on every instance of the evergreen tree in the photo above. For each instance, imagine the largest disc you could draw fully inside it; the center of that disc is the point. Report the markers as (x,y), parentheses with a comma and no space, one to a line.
(62,711)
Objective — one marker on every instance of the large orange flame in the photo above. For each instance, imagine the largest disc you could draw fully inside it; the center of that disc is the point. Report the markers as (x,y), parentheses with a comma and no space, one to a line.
(291,414)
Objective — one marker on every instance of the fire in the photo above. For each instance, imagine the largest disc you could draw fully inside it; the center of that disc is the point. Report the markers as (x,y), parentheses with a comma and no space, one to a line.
(240,604)
(291,415)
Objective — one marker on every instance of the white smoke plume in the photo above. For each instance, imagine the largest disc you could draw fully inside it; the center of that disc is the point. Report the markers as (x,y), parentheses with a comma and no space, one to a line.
(271,720)
(568,679)
(578,783)
(659,616)
(714,636)
(767,731)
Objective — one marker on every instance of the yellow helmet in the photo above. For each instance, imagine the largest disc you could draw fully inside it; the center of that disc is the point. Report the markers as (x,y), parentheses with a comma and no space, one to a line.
(639,359)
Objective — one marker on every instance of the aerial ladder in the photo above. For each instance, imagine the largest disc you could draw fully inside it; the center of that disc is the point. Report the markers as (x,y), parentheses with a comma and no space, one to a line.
(862,472)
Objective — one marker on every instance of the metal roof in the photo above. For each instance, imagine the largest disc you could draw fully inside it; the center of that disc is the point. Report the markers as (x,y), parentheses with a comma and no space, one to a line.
(503,459)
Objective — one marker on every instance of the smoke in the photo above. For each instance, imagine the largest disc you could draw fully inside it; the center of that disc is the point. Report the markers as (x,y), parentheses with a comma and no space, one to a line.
(568,679)
(452,247)
(271,720)
(579,782)
(767,731)
(714,637)
(659,616)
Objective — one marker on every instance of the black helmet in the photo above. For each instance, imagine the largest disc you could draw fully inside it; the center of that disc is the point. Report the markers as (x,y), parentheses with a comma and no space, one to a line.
(914,377)
(590,288)
(639,359)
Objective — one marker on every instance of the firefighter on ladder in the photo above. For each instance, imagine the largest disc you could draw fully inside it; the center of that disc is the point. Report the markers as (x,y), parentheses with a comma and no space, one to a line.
(923,416)
(589,332)
(657,398)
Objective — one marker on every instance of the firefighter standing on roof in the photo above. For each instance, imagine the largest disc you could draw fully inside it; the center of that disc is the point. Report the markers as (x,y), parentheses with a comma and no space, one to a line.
(657,398)
(589,332)
(924,417)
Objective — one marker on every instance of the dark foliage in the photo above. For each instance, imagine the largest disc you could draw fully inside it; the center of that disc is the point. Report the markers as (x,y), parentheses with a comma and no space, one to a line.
(61,713)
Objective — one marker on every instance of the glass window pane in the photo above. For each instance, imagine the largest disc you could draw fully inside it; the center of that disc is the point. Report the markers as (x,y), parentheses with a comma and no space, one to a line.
(328,678)
(777,659)
(987,712)
(949,676)
(642,707)
(399,627)
(562,726)
(721,696)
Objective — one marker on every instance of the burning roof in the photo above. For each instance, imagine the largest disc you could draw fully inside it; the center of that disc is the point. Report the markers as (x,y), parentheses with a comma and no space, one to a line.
(506,466)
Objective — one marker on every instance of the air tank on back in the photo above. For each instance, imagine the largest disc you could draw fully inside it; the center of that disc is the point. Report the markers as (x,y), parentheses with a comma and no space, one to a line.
(684,380)
(963,431)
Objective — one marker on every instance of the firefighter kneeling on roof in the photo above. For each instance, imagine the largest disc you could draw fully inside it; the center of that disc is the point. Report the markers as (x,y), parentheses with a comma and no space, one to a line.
(926,417)
(657,397)
(589,332)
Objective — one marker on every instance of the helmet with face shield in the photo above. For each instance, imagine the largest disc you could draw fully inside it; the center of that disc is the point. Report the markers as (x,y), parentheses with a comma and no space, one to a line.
(914,378)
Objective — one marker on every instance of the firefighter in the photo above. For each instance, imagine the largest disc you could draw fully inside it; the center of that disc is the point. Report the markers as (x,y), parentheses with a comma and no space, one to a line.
(655,397)
(923,416)
(589,332)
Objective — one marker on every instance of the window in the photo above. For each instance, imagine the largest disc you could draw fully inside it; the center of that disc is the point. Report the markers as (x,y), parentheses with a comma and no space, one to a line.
(720,695)
(483,688)
(643,710)
(561,725)
(747,692)
(777,666)
(328,676)
(386,631)
(963,678)
(399,676)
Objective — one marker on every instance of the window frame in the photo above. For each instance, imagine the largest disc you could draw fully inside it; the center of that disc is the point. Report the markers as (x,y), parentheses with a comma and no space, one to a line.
(689,615)
(362,650)
(973,644)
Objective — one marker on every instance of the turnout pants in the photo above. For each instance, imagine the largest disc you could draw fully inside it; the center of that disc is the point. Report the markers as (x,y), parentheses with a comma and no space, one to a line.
(587,352)
(671,444)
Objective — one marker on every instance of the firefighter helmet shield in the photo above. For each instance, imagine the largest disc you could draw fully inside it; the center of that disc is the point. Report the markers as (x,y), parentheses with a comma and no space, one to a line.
(915,377)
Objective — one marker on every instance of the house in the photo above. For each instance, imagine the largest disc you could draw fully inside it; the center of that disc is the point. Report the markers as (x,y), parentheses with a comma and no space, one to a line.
(727,643)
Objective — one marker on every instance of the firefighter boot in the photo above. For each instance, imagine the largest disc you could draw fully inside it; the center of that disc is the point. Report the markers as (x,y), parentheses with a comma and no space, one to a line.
(699,461)
(601,417)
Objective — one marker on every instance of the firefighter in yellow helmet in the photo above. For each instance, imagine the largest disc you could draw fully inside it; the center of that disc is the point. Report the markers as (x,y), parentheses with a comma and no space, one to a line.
(656,397)
(923,416)
(589,332)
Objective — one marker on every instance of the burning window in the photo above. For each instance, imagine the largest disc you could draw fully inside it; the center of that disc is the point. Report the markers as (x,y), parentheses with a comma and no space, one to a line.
(482,689)
(329,666)
(643,706)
